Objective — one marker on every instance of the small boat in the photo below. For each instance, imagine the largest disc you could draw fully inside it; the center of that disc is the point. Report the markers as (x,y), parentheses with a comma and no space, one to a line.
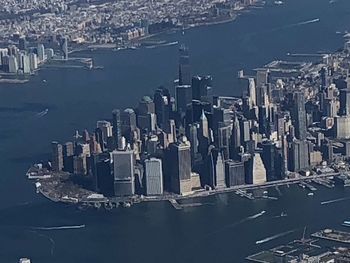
(284,214)
(310,194)
(44,80)
(278,3)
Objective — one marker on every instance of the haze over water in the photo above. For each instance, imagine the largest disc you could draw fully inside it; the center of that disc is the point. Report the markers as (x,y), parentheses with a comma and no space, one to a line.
(216,232)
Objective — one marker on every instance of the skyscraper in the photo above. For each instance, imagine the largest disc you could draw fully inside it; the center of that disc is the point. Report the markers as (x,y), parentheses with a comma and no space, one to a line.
(128,122)
(12,64)
(116,122)
(183,95)
(64,47)
(179,163)
(184,66)
(57,156)
(22,43)
(102,174)
(200,87)
(234,173)
(106,129)
(154,176)
(299,116)
(298,158)
(123,170)
(68,153)
(216,169)
(252,91)
(41,52)
(162,104)
(344,99)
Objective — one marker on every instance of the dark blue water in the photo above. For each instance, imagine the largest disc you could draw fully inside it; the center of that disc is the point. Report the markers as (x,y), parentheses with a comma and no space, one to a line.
(76,98)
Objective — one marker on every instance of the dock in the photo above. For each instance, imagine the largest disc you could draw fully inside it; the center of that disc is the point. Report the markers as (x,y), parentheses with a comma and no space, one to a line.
(243,193)
(324,182)
(175,204)
(333,235)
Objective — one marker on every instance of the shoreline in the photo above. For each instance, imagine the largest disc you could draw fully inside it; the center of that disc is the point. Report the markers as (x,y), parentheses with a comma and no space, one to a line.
(58,197)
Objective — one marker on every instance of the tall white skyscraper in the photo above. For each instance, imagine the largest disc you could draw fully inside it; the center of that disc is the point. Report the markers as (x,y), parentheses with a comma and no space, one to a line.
(33,61)
(26,64)
(41,52)
(154,176)
(13,65)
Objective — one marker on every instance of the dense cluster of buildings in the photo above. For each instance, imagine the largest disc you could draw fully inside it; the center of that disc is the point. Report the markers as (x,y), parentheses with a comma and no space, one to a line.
(25,59)
(106,21)
(282,126)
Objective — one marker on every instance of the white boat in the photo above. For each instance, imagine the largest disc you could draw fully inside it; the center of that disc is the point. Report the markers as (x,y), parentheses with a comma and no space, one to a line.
(278,3)
(310,194)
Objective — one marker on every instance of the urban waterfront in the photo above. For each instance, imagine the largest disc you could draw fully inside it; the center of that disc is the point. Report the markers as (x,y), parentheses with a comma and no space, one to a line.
(77,98)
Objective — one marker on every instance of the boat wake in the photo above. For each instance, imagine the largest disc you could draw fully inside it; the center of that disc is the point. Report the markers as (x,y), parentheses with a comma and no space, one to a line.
(59,227)
(256,216)
(302,23)
(42,113)
(334,201)
(274,237)
(307,22)
(249,218)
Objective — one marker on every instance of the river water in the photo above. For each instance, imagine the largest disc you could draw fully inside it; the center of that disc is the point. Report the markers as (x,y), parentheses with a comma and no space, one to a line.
(219,231)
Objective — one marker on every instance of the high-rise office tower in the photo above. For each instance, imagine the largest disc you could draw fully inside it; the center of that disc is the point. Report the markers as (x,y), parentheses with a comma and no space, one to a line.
(146,118)
(12,64)
(200,87)
(216,169)
(252,91)
(26,64)
(22,43)
(193,138)
(223,140)
(324,75)
(183,95)
(162,106)
(57,156)
(179,166)
(234,173)
(102,175)
(123,170)
(41,52)
(128,122)
(184,66)
(299,116)
(269,158)
(106,129)
(64,47)
(80,164)
(256,172)
(68,153)
(116,122)
(154,176)
(298,158)
(262,77)
(146,105)
(344,102)
(33,61)
(203,135)
(235,139)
